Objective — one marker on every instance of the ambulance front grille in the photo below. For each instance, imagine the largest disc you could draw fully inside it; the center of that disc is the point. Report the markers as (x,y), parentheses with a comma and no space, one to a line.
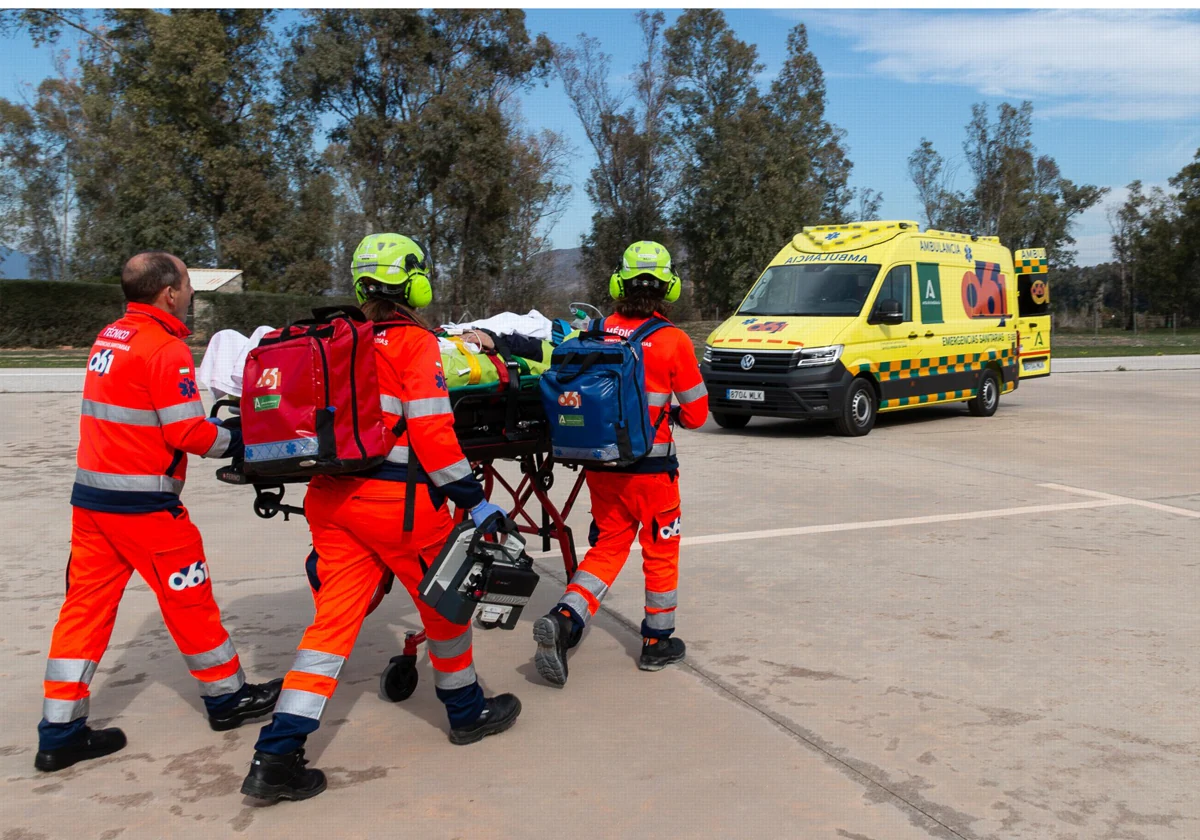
(764,362)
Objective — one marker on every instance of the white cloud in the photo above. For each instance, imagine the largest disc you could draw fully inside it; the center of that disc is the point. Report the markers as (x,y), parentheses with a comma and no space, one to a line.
(1098,64)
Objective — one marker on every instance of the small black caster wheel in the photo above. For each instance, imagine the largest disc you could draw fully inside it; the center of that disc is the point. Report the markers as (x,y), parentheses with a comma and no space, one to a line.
(399,679)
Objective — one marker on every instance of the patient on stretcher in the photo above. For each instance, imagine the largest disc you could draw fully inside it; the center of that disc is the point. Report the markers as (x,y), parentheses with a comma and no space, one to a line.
(474,353)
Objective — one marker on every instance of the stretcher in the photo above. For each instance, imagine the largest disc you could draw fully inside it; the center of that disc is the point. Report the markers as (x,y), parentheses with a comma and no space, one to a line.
(493,423)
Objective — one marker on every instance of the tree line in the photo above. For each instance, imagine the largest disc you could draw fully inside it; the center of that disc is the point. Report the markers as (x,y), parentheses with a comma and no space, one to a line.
(231,141)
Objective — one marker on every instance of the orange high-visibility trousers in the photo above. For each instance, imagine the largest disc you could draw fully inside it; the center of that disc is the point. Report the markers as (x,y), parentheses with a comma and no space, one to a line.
(357,531)
(165,548)
(624,506)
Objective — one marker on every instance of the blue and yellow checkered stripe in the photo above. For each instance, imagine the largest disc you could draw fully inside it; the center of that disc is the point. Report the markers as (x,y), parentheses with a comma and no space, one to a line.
(1040,266)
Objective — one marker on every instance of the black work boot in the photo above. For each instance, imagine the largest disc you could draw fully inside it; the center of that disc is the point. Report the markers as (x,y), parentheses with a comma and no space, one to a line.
(92,743)
(275,777)
(499,713)
(553,632)
(659,653)
(256,701)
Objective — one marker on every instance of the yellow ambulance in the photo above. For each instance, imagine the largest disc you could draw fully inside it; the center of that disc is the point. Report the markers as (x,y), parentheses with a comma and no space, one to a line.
(851,320)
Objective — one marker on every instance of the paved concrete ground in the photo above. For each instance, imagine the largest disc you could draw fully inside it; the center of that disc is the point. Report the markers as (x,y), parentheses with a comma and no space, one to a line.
(954,627)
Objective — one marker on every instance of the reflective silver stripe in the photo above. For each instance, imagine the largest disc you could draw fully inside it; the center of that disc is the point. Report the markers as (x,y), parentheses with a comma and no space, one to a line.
(219,655)
(662,600)
(118,414)
(226,686)
(430,407)
(70,670)
(452,473)
(224,438)
(453,679)
(449,648)
(316,662)
(692,394)
(398,455)
(662,450)
(578,603)
(656,399)
(181,411)
(391,405)
(293,701)
(138,483)
(591,583)
(661,621)
(64,711)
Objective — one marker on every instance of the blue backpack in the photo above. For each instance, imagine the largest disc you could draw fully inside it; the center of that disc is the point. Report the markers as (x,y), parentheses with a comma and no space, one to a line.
(595,399)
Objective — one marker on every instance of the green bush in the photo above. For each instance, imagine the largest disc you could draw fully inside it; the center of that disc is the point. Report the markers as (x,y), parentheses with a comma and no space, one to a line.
(246,311)
(40,313)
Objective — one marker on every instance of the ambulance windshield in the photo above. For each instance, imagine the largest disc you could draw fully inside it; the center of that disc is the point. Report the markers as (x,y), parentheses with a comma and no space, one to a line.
(813,289)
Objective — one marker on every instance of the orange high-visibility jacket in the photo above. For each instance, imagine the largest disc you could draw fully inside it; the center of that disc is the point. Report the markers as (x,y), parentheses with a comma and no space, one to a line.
(669,362)
(412,385)
(141,415)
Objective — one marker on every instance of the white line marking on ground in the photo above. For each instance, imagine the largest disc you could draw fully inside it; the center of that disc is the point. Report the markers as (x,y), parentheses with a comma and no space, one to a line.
(710,539)
(1096,494)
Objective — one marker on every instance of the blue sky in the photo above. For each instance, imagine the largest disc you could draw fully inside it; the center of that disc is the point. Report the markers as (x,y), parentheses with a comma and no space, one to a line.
(1116,94)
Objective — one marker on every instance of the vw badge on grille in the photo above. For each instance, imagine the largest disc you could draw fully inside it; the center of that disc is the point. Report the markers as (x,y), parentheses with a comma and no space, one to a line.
(747,362)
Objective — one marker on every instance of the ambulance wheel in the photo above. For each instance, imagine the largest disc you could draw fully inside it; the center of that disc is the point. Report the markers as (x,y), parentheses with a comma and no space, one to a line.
(731,421)
(399,679)
(987,398)
(859,410)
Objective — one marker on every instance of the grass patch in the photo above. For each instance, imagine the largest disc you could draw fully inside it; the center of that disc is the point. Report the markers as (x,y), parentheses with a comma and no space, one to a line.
(63,357)
(1162,342)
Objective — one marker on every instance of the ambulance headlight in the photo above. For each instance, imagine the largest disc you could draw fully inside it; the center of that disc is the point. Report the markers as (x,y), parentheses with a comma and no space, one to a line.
(817,356)
(708,351)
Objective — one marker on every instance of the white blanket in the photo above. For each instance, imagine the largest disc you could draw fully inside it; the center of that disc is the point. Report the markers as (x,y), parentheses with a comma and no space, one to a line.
(534,324)
(224,359)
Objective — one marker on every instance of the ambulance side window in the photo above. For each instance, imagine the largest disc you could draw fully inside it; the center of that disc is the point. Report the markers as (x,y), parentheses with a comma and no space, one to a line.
(897,286)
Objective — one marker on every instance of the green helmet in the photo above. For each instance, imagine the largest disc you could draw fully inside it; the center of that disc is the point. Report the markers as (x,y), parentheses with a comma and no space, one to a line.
(389,266)
(647,262)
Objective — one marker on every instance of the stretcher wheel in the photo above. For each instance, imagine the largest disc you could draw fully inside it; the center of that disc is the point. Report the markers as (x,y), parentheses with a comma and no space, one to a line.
(264,509)
(399,679)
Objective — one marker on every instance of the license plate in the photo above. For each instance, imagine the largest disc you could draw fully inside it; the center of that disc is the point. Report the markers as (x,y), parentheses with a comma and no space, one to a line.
(748,396)
(1035,364)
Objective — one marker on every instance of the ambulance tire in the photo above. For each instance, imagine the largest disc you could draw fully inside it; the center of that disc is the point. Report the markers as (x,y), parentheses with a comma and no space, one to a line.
(859,410)
(399,679)
(731,421)
(987,398)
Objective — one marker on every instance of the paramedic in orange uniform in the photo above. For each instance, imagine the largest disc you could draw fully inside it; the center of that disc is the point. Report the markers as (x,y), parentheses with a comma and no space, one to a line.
(141,417)
(358,534)
(641,500)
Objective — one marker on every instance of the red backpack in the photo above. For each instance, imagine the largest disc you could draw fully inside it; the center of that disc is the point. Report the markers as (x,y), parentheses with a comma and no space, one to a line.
(310,398)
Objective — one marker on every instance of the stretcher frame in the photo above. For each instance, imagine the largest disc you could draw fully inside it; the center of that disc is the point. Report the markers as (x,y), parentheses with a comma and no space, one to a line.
(505,424)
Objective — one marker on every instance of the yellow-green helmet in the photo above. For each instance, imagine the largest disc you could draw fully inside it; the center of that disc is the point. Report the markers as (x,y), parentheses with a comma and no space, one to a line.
(645,264)
(390,266)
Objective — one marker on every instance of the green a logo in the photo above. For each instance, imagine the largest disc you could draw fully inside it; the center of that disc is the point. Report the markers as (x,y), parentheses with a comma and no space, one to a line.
(930,284)
(266,402)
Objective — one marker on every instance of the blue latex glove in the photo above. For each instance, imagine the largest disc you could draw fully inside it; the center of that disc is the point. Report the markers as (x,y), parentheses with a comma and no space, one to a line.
(484,511)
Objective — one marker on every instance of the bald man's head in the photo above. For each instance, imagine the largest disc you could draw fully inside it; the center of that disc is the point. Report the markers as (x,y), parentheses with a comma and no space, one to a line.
(159,279)
(146,274)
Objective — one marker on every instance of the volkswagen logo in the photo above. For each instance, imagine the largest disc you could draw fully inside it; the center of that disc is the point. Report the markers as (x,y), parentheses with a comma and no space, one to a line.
(747,361)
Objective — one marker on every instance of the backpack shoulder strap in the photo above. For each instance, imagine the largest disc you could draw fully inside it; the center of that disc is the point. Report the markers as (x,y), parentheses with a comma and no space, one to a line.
(647,329)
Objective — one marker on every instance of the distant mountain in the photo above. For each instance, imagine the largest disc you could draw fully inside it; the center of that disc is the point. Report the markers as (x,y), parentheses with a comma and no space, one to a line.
(562,265)
(13,265)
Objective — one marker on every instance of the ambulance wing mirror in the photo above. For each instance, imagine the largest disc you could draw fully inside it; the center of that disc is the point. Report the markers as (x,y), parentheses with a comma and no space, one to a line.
(889,312)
